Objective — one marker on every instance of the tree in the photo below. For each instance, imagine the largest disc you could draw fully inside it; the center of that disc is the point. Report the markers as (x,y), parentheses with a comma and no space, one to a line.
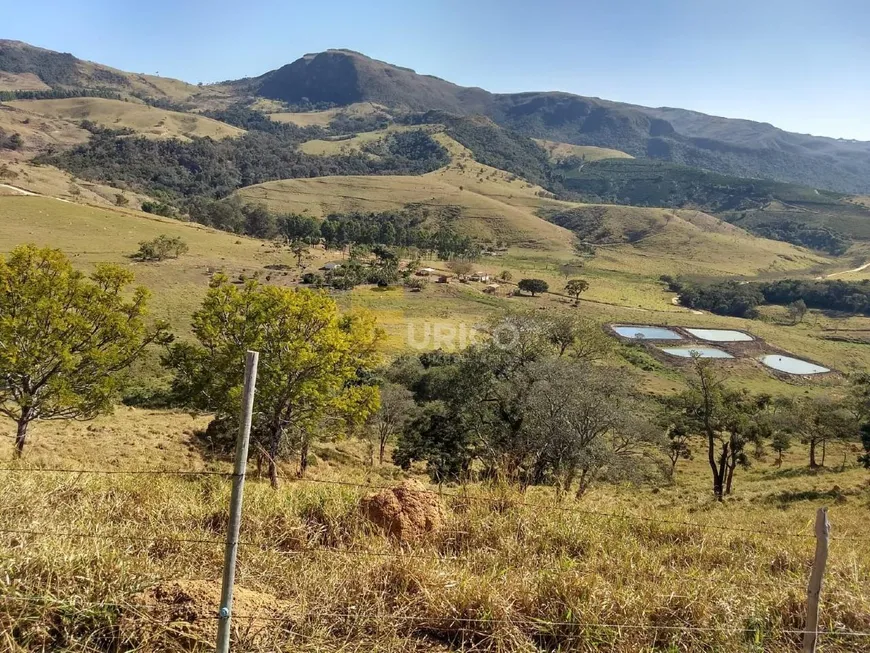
(505,275)
(313,363)
(259,222)
(161,248)
(821,420)
(797,310)
(575,288)
(726,418)
(533,286)
(780,443)
(460,268)
(583,419)
(679,433)
(299,249)
(397,409)
(65,337)
(121,199)
(578,338)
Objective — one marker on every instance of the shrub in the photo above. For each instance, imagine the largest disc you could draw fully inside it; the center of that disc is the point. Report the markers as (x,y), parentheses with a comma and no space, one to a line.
(161,248)
(158,208)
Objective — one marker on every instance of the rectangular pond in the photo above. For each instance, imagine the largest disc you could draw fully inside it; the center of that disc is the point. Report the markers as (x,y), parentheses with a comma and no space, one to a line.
(703,352)
(720,335)
(792,365)
(646,332)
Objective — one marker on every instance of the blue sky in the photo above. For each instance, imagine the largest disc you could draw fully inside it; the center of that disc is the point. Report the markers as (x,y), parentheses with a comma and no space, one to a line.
(802,65)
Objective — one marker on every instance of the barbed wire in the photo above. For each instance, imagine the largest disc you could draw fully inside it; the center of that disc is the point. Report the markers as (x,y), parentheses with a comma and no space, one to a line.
(120,472)
(432,621)
(583,511)
(454,496)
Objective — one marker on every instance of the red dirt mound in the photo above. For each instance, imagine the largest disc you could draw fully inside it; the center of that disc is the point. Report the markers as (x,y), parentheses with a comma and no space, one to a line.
(182,615)
(407,512)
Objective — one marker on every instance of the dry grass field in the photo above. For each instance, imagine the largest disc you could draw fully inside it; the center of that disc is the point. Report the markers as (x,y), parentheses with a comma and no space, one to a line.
(561,151)
(323,118)
(625,569)
(143,119)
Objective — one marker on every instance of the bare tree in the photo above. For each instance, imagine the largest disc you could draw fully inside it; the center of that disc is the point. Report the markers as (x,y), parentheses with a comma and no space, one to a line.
(583,417)
(397,409)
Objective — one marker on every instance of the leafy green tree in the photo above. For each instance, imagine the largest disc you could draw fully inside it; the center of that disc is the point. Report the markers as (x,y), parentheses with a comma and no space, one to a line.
(299,249)
(575,288)
(65,337)
(533,286)
(505,275)
(818,421)
(780,443)
(580,339)
(259,223)
(311,361)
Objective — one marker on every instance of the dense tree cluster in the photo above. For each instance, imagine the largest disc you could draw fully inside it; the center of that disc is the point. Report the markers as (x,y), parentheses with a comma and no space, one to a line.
(741,298)
(494,146)
(59,94)
(823,239)
(208,168)
(402,229)
(527,407)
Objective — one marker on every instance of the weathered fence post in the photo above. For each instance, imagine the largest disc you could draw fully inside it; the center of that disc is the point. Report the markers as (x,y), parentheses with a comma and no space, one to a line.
(814,589)
(241,464)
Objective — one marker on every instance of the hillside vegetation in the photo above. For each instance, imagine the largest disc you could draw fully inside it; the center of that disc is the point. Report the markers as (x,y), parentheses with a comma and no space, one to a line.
(816,219)
(142,119)
(338,78)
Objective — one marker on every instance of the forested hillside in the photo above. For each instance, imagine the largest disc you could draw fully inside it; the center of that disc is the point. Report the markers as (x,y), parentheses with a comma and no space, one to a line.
(343,77)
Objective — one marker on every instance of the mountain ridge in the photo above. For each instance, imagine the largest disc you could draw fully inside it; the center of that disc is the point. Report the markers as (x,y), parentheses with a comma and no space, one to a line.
(342,77)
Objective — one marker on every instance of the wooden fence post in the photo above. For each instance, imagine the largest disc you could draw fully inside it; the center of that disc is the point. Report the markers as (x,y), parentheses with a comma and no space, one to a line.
(814,589)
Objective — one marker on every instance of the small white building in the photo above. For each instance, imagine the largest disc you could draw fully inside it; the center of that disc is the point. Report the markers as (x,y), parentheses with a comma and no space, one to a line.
(425,272)
(480,276)
(329,267)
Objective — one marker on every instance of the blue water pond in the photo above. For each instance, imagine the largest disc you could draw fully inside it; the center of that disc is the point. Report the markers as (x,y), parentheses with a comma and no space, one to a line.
(792,365)
(703,352)
(720,335)
(646,333)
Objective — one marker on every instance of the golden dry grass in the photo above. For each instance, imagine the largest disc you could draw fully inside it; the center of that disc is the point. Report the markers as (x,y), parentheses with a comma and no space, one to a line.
(333,147)
(143,119)
(55,183)
(38,132)
(483,217)
(21,82)
(92,235)
(560,151)
(625,569)
(323,118)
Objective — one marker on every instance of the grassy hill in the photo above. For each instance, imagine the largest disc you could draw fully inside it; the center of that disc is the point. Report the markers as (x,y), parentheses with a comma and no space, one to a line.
(560,151)
(38,132)
(141,118)
(483,217)
(27,67)
(323,118)
(806,216)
